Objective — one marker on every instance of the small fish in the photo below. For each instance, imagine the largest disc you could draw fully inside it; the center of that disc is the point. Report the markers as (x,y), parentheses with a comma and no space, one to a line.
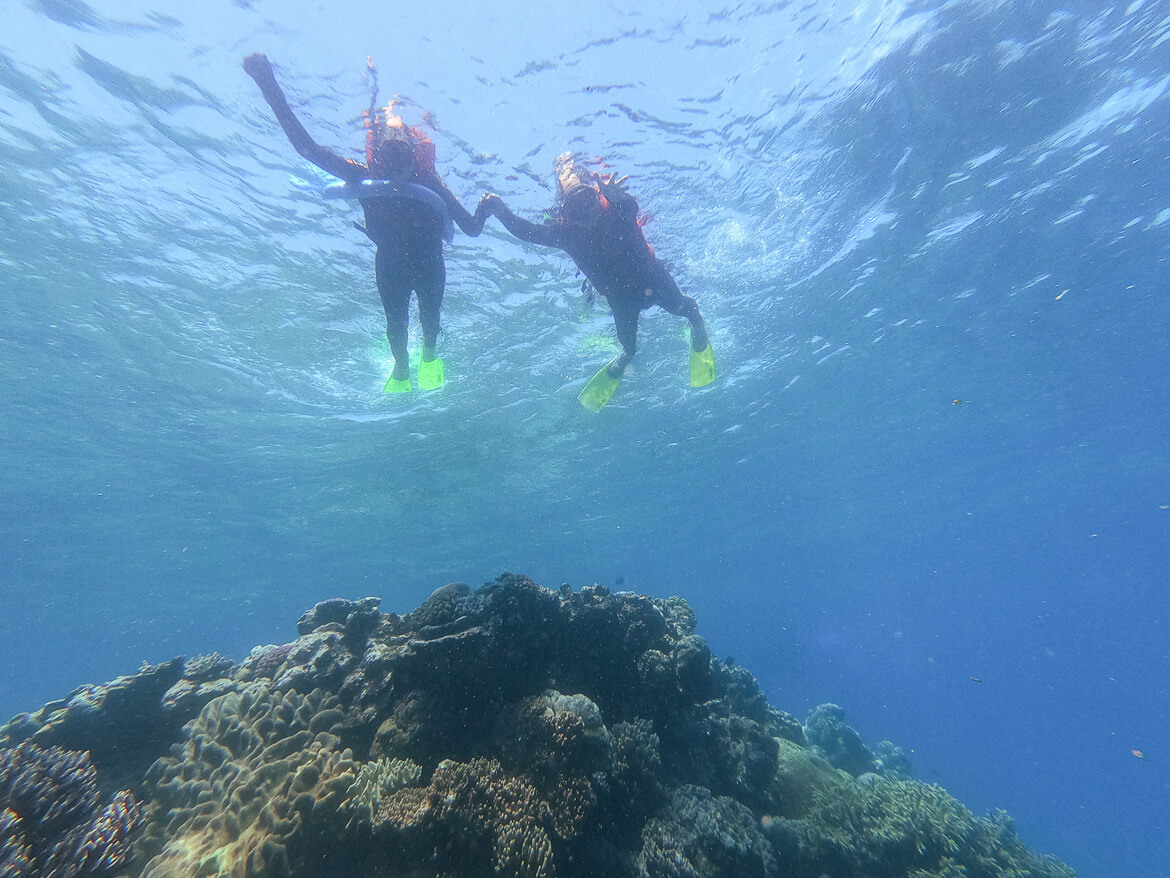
(976,680)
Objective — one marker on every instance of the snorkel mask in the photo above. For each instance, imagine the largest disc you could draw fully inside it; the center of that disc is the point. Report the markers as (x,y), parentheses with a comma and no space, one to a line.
(393,148)
(389,146)
(578,197)
(571,177)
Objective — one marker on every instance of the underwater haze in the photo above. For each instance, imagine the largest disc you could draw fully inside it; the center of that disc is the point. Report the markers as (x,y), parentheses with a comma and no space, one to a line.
(931,482)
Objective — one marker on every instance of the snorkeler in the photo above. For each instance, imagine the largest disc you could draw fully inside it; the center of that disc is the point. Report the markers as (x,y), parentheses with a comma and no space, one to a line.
(407,208)
(595,221)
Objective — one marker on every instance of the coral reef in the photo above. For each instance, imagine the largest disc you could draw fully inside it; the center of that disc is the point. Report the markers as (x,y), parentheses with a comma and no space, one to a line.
(826,730)
(473,818)
(105,719)
(379,780)
(509,730)
(698,835)
(889,827)
(260,777)
(829,735)
(125,724)
(52,820)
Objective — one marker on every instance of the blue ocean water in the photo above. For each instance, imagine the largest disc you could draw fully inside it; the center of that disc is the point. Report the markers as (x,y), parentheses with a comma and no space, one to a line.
(931,484)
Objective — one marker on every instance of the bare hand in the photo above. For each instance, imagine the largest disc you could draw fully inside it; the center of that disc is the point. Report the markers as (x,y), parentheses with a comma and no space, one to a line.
(611,185)
(258,66)
(488,204)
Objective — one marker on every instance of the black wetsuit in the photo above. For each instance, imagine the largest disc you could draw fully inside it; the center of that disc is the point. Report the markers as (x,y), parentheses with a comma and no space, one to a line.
(614,256)
(408,234)
(409,237)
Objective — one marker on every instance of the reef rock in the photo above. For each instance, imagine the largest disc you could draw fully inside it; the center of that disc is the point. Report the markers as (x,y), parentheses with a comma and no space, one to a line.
(126,724)
(509,730)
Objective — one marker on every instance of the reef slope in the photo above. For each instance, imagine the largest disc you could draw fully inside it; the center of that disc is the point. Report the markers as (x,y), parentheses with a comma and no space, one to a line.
(511,730)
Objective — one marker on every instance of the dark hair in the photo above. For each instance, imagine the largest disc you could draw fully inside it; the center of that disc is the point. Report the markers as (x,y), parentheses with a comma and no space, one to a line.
(395,148)
(582,206)
(569,172)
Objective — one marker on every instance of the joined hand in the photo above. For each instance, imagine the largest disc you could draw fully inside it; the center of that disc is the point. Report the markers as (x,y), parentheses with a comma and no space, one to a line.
(488,204)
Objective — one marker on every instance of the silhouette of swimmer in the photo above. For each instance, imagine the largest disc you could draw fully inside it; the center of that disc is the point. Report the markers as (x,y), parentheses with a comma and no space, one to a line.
(595,221)
(407,229)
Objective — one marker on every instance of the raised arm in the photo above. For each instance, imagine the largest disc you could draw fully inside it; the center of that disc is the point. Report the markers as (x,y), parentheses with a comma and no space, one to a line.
(258,67)
(544,234)
(622,203)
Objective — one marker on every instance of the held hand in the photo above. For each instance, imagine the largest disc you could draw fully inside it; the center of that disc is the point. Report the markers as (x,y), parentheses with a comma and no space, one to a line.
(258,67)
(487,205)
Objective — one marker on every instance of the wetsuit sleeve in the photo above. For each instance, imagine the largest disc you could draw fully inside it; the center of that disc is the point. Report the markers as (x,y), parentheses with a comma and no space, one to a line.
(471,225)
(544,234)
(259,68)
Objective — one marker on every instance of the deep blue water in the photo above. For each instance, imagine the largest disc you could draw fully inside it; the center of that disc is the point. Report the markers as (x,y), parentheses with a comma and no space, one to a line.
(930,240)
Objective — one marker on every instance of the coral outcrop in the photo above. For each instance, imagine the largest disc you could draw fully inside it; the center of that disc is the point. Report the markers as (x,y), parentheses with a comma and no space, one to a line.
(126,724)
(830,736)
(509,730)
(53,818)
(260,777)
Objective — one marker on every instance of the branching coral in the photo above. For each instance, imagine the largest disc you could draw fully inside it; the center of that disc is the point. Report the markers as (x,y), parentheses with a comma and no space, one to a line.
(468,810)
(16,857)
(52,822)
(375,781)
(895,827)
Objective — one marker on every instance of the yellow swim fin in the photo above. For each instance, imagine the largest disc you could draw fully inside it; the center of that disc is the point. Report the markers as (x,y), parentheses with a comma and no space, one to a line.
(396,385)
(430,374)
(599,389)
(702,366)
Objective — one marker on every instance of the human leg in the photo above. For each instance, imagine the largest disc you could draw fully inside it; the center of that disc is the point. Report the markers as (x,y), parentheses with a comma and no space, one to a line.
(430,303)
(395,294)
(699,338)
(671,299)
(430,300)
(625,320)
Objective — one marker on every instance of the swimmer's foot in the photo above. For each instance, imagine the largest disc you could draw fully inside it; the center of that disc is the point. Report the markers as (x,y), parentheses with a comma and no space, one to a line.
(600,388)
(702,365)
(399,380)
(699,339)
(430,372)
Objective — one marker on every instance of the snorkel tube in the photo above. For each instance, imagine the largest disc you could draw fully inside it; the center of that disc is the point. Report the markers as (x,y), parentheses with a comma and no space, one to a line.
(366,189)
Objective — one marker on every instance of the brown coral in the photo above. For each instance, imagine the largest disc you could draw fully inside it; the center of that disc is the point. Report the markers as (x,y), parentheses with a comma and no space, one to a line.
(468,809)
(891,826)
(559,743)
(258,775)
